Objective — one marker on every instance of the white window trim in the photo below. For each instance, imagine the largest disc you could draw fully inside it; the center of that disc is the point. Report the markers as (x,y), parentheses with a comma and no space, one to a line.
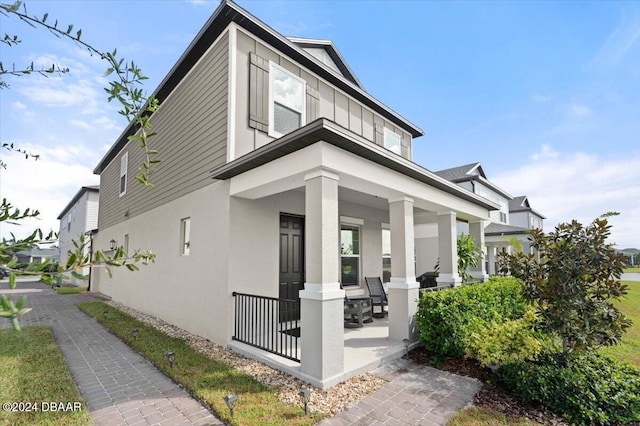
(123,160)
(354,223)
(386,131)
(303,112)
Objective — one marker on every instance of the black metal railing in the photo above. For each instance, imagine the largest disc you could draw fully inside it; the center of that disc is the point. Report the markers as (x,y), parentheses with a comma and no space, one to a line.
(268,323)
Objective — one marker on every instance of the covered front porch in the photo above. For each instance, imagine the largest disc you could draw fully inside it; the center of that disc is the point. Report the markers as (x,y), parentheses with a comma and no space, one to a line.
(336,181)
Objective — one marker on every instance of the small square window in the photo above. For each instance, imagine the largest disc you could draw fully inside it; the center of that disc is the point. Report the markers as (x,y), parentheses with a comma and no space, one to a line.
(392,141)
(185,236)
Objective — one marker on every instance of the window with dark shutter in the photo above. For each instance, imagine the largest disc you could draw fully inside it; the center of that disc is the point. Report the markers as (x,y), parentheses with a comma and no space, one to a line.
(258,93)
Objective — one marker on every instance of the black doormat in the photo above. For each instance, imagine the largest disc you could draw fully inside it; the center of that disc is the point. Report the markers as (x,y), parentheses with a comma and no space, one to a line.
(295,332)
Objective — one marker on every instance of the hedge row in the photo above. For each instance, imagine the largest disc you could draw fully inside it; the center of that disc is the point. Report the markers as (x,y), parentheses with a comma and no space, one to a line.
(592,390)
(446,319)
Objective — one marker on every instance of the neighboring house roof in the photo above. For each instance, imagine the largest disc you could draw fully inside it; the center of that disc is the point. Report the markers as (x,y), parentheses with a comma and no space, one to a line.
(228,12)
(502,229)
(332,133)
(40,252)
(521,204)
(95,188)
(469,173)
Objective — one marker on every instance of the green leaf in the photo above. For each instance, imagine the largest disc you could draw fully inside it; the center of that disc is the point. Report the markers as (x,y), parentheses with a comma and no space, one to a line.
(21,302)
(12,280)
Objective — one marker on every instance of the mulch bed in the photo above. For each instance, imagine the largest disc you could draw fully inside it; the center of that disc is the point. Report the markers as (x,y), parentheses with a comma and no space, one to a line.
(491,395)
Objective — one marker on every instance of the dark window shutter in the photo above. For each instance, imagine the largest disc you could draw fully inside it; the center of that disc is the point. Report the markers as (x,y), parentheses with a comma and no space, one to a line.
(378,136)
(313,103)
(258,93)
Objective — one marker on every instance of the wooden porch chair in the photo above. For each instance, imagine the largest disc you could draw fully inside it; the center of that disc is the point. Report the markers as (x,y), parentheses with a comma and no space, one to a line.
(357,311)
(377,294)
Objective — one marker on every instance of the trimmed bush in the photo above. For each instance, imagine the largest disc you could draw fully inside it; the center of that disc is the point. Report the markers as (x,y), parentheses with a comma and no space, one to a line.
(507,342)
(592,389)
(446,319)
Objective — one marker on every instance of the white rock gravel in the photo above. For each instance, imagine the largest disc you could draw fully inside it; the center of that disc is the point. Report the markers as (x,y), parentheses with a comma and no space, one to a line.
(329,401)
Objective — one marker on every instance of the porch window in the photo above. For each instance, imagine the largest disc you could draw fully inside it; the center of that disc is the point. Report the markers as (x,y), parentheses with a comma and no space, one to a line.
(287,101)
(386,255)
(392,141)
(350,254)
(185,236)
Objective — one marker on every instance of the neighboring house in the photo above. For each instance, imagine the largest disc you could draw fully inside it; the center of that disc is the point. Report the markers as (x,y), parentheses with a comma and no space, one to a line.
(632,255)
(79,217)
(38,255)
(280,177)
(508,226)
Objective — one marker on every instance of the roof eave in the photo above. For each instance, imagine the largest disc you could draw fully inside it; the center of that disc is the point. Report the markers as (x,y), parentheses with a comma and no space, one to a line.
(330,132)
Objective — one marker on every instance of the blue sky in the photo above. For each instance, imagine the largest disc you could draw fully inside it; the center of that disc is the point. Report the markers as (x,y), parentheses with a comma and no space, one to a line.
(546,95)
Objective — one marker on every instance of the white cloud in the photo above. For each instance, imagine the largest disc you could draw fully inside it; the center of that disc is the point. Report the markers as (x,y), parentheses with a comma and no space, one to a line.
(546,152)
(52,93)
(621,40)
(579,111)
(19,105)
(582,186)
(47,185)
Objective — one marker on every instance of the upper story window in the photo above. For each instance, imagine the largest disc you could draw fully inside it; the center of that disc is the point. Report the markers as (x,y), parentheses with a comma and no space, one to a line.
(124,162)
(392,141)
(286,101)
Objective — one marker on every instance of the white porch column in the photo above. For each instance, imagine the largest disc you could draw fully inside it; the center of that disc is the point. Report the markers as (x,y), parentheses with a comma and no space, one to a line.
(322,300)
(403,288)
(476,230)
(448,249)
(491,257)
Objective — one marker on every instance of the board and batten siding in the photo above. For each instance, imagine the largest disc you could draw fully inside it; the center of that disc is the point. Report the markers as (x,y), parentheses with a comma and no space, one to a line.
(323,100)
(191,139)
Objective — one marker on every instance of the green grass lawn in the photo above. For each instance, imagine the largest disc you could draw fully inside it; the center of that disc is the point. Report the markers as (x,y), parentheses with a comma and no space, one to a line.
(70,290)
(33,370)
(208,379)
(480,416)
(632,269)
(629,348)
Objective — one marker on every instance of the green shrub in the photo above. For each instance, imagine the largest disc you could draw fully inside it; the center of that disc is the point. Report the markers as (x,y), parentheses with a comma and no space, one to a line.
(446,319)
(592,389)
(506,342)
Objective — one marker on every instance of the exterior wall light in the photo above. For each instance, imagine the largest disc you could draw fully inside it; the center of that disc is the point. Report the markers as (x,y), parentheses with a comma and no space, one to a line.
(112,244)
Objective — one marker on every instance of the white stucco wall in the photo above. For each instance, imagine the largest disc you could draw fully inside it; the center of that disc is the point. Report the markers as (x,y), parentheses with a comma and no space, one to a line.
(188,291)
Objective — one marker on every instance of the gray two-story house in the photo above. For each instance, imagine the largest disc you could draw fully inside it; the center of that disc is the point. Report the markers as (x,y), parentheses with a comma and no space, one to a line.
(280,178)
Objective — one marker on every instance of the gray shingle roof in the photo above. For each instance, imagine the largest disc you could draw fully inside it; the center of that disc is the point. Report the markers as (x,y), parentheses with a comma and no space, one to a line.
(461,172)
(521,204)
(502,229)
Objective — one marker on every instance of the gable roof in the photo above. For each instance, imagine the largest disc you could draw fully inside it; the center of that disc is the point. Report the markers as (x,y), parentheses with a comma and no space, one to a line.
(462,173)
(521,204)
(469,173)
(94,188)
(332,52)
(228,12)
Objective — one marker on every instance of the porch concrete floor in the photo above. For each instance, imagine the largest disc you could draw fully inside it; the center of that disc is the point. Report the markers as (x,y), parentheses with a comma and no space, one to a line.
(365,349)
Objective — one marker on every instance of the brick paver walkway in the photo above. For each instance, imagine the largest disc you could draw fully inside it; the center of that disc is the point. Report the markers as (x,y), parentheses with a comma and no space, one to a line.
(120,386)
(415,395)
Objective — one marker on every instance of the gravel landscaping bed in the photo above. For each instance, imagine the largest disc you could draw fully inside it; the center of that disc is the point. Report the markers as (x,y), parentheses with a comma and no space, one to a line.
(330,401)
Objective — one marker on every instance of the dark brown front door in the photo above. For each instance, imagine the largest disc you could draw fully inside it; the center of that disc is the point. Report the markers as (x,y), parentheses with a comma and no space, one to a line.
(291,264)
